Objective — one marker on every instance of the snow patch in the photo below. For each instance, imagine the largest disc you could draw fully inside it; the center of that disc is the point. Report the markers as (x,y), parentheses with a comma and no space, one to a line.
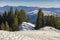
(33,12)
(49,28)
(27,26)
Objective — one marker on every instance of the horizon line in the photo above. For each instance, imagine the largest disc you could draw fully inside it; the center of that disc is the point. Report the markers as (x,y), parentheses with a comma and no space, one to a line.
(28,6)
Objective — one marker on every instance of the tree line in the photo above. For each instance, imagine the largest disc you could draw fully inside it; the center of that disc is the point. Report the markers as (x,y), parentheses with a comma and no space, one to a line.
(11,20)
(49,20)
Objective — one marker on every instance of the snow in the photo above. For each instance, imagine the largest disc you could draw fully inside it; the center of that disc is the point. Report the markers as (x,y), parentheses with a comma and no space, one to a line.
(45,33)
(27,26)
(33,12)
(30,35)
(49,28)
(46,13)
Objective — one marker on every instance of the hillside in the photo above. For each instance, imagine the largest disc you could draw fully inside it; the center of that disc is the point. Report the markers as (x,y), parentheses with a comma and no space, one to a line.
(31,35)
(28,33)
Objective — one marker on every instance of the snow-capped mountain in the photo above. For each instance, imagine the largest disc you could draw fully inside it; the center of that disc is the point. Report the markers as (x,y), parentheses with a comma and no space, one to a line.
(29,9)
(7,8)
(46,13)
(33,14)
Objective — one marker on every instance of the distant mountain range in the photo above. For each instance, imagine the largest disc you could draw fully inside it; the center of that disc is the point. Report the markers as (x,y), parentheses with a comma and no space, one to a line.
(29,9)
(32,11)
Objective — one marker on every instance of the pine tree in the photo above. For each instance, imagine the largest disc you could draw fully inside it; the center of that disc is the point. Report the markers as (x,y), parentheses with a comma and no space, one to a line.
(15,24)
(57,23)
(2,26)
(40,20)
(52,21)
(16,12)
(7,26)
(5,17)
(11,17)
(48,23)
(0,19)
(11,12)
(21,16)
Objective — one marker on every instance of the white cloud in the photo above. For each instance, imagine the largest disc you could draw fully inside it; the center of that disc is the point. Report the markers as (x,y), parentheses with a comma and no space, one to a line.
(33,4)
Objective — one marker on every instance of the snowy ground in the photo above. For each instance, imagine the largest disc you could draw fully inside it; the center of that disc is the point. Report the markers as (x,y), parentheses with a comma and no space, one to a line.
(28,33)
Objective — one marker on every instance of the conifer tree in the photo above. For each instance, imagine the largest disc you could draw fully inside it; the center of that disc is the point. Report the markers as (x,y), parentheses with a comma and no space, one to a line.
(7,26)
(11,12)
(48,23)
(40,20)
(11,17)
(16,12)
(57,23)
(21,16)
(15,24)
(2,26)
(5,17)
(0,19)
(52,21)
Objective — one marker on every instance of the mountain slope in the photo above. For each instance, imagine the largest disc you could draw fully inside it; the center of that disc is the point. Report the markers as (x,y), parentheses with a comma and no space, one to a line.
(30,35)
(45,33)
(46,13)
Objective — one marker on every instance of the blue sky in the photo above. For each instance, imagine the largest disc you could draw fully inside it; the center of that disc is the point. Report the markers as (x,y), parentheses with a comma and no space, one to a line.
(30,0)
(33,3)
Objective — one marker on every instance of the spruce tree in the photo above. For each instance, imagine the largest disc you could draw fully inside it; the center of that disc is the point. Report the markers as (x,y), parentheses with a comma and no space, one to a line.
(11,12)
(50,21)
(0,19)
(7,26)
(15,24)
(57,23)
(40,20)
(21,16)
(16,12)
(11,17)
(5,17)
(2,26)
(53,21)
